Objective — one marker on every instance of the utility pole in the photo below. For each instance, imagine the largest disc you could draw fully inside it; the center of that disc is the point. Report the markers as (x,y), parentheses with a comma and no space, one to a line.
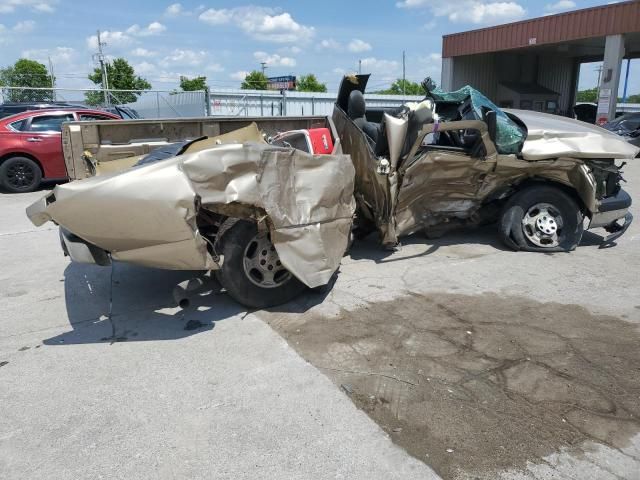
(404,79)
(599,70)
(626,82)
(103,67)
(264,67)
(359,67)
(53,80)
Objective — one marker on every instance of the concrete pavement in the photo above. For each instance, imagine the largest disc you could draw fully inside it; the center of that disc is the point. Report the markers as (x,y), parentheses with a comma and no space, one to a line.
(216,392)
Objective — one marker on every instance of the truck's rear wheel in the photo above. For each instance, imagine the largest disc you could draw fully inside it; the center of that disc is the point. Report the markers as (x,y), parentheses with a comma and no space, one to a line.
(541,219)
(252,272)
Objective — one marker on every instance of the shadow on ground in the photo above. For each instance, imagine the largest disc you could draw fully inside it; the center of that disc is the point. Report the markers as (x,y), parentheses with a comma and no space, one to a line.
(474,385)
(144,306)
(369,248)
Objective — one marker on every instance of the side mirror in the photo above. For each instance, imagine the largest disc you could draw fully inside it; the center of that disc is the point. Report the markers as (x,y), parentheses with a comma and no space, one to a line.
(491,119)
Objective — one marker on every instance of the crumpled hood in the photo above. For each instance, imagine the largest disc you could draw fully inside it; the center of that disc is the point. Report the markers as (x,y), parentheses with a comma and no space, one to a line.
(552,136)
(147,215)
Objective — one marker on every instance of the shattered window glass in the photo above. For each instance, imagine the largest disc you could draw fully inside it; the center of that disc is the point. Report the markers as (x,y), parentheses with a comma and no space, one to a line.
(509,136)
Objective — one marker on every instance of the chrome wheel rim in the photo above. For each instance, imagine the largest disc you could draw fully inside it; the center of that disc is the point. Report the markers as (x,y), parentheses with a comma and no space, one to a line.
(262,264)
(542,225)
(20,175)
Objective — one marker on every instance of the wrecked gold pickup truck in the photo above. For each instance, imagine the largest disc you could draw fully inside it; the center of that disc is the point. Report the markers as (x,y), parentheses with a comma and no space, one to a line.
(268,203)
(457,159)
(212,194)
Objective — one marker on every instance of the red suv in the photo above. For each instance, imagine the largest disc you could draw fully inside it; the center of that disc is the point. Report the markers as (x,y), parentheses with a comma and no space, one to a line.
(31,146)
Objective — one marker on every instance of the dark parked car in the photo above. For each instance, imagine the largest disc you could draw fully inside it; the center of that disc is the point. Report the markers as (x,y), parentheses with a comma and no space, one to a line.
(627,126)
(12,108)
(31,146)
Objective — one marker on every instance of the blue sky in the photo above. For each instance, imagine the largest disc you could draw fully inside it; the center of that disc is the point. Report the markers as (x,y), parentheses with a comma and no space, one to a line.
(225,39)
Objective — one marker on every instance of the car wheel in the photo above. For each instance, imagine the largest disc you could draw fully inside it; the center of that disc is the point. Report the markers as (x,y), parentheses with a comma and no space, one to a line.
(252,272)
(20,174)
(541,219)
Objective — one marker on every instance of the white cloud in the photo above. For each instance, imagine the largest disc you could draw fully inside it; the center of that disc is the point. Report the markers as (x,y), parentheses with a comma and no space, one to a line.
(262,23)
(24,27)
(374,65)
(240,75)
(59,55)
(329,44)
(174,10)
(560,6)
(214,67)
(184,57)
(274,60)
(111,38)
(145,68)
(429,65)
(216,17)
(339,71)
(142,52)
(470,11)
(293,50)
(154,28)
(356,46)
(38,6)
(412,3)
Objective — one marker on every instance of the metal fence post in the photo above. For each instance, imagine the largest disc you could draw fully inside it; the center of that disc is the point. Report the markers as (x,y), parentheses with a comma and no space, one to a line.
(313,106)
(158,103)
(207,101)
(261,109)
(283,110)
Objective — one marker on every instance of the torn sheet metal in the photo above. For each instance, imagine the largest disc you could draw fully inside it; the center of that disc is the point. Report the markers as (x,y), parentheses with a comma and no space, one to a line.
(552,136)
(147,215)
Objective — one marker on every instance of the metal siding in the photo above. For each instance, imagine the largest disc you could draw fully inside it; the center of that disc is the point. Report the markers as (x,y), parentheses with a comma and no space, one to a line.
(591,22)
(555,73)
(478,71)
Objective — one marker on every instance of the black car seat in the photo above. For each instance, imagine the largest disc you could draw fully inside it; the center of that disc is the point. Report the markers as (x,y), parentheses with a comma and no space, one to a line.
(356,109)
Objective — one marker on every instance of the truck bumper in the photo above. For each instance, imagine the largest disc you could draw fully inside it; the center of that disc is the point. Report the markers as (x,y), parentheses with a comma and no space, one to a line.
(611,212)
(82,251)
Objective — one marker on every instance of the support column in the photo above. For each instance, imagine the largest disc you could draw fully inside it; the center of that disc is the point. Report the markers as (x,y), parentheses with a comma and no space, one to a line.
(611,68)
(446,77)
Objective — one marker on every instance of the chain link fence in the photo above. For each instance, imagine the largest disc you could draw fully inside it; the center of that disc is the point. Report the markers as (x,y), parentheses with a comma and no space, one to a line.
(173,104)
(145,104)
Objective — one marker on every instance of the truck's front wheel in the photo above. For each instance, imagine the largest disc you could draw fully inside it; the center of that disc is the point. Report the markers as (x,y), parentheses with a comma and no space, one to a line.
(252,272)
(541,218)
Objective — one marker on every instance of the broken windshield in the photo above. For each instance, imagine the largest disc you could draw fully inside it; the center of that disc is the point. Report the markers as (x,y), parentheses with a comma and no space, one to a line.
(509,136)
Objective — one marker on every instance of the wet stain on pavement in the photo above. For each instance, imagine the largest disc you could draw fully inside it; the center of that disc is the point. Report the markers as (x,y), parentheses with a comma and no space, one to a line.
(3,363)
(475,385)
(193,325)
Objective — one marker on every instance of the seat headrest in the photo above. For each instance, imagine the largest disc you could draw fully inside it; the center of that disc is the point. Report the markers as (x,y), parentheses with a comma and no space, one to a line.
(356,106)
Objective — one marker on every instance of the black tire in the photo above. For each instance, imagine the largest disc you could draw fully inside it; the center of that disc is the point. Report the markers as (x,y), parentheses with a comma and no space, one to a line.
(243,284)
(517,235)
(20,175)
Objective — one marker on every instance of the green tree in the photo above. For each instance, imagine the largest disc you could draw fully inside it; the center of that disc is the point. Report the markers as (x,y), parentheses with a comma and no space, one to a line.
(255,81)
(28,74)
(410,88)
(120,76)
(309,83)
(193,84)
(635,98)
(589,95)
